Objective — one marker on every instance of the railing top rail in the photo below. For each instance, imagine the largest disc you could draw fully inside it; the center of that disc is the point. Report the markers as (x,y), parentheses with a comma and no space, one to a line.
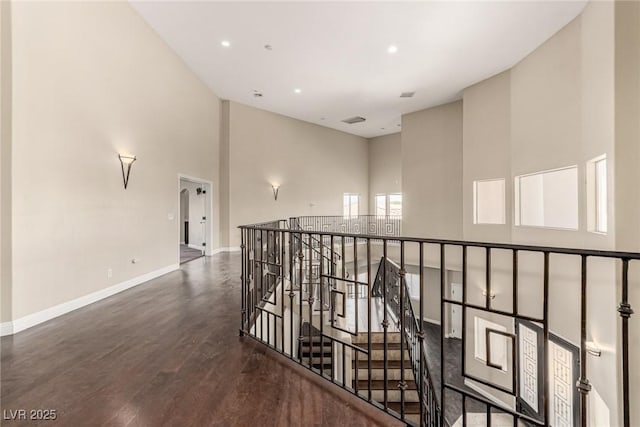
(467,243)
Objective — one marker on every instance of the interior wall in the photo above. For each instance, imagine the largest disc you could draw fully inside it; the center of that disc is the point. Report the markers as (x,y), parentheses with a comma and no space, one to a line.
(487,151)
(432,172)
(313,165)
(5,162)
(385,166)
(627,172)
(92,77)
(224,174)
(553,109)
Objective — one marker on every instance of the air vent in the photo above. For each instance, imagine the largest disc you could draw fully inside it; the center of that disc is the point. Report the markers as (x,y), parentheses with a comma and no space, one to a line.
(407,94)
(356,119)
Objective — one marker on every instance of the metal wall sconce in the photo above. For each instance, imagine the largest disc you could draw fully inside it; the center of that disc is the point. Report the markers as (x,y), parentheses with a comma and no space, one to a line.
(128,161)
(275,188)
(593,349)
(484,294)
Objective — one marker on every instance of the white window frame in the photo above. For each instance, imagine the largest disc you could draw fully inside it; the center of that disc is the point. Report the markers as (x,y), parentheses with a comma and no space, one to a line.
(516,199)
(347,213)
(597,196)
(375,205)
(387,205)
(476,183)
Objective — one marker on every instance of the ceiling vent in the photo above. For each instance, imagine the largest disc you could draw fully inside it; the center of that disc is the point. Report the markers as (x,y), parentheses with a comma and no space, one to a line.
(352,120)
(407,94)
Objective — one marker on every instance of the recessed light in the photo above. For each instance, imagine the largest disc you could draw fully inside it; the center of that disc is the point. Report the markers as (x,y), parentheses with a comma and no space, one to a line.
(392,49)
(225,43)
(296,90)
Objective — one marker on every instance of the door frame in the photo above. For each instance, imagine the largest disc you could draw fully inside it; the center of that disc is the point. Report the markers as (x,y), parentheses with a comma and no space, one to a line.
(208,212)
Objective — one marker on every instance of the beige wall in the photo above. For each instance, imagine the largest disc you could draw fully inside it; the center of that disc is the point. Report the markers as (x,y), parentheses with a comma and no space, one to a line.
(91,80)
(627,173)
(487,151)
(385,166)
(553,109)
(432,172)
(5,161)
(314,166)
(224,173)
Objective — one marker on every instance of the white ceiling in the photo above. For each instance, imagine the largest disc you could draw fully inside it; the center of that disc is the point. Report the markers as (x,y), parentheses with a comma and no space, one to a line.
(336,52)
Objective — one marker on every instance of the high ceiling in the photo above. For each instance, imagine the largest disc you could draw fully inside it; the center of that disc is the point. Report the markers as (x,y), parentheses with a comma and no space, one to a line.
(336,54)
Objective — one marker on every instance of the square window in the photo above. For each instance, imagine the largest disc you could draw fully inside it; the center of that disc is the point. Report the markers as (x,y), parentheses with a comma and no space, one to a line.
(489,201)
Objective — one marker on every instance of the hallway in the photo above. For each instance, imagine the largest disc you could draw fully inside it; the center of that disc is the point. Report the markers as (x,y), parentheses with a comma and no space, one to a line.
(168,353)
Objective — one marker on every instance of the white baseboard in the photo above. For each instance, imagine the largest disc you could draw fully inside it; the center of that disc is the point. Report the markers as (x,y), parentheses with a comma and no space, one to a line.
(6,328)
(435,322)
(18,325)
(227,249)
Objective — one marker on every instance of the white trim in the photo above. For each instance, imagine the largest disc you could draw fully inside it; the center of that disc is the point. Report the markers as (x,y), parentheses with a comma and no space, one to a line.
(226,249)
(433,321)
(472,385)
(34,319)
(6,328)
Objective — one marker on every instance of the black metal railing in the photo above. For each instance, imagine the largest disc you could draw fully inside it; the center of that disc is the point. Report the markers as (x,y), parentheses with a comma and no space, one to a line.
(390,278)
(509,301)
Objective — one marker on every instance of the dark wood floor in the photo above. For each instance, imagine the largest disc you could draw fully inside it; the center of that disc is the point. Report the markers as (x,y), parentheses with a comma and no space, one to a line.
(167,353)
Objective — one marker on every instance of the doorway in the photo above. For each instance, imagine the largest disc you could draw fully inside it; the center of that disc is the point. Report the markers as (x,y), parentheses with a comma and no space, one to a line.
(194,218)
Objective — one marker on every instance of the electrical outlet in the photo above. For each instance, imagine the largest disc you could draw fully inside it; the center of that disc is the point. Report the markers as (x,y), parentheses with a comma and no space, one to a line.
(109,273)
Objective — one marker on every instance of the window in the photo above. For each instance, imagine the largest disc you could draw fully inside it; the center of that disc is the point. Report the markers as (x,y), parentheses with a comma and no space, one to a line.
(388,205)
(351,204)
(548,199)
(597,194)
(381,205)
(395,205)
(488,201)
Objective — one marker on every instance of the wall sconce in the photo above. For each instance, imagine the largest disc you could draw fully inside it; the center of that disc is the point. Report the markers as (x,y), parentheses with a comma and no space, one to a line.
(484,294)
(275,188)
(128,161)
(593,349)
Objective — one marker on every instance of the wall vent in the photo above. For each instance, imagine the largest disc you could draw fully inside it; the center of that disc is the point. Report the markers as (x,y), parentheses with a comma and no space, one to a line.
(356,119)
(407,94)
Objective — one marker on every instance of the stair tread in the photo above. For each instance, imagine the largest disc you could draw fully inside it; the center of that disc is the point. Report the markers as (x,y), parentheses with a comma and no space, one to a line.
(379,384)
(409,407)
(379,364)
(380,346)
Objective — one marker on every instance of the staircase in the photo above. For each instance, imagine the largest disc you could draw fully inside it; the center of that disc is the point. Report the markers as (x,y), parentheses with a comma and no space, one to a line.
(315,350)
(394,374)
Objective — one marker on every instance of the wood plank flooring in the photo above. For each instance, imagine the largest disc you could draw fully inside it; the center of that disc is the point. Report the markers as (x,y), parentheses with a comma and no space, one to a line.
(167,353)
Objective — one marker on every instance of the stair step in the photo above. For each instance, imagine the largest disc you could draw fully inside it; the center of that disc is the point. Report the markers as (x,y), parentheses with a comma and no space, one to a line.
(378,374)
(380,346)
(379,355)
(316,361)
(393,395)
(376,337)
(379,364)
(379,385)
(409,407)
(316,340)
(316,354)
